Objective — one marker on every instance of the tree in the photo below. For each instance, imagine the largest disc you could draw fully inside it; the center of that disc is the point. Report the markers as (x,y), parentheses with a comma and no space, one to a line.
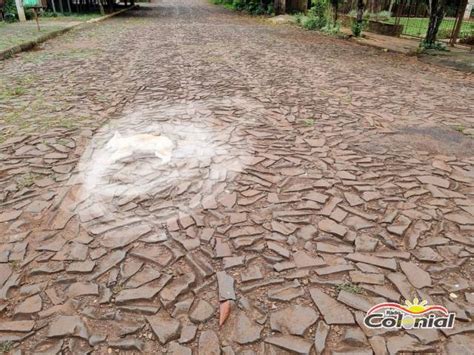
(335,9)
(357,26)
(436,8)
(390,7)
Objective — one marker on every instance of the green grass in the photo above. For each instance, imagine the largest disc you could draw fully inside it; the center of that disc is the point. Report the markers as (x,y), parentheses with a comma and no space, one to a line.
(6,347)
(309,122)
(460,128)
(349,287)
(12,92)
(74,17)
(26,180)
(12,34)
(418,26)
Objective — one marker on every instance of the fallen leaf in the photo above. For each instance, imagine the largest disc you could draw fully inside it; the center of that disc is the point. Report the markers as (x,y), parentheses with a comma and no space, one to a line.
(224,311)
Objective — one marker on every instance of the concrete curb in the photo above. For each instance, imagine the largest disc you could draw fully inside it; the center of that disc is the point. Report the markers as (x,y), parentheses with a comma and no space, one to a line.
(9,52)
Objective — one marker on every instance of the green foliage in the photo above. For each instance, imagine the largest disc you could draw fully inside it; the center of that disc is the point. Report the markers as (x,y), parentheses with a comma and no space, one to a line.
(6,347)
(312,23)
(460,128)
(10,11)
(417,27)
(373,16)
(29,14)
(26,180)
(309,122)
(349,287)
(332,28)
(319,17)
(49,13)
(357,28)
(319,9)
(439,46)
(253,7)
(383,15)
(299,18)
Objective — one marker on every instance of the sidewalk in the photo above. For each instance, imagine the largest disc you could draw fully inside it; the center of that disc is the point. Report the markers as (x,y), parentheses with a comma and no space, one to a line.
(459,57)
(20,36)
(14,34)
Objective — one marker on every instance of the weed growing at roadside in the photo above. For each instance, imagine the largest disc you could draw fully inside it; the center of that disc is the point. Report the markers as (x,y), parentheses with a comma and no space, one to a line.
(438,46)
(26,180)
(12,92)
(6,347)
(309,122)
(460,128)
(349,287)
(251,6)
(319,17)
(357,28)
(15,265)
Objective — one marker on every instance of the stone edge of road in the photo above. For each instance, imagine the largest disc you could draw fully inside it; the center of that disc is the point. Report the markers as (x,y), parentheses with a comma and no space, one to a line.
(26,46)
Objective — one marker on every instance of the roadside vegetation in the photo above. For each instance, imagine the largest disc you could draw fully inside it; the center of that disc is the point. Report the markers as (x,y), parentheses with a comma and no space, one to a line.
(10,14)
(251,6)
(321,17)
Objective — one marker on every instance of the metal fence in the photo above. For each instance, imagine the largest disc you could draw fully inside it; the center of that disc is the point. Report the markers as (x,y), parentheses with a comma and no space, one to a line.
(411,17)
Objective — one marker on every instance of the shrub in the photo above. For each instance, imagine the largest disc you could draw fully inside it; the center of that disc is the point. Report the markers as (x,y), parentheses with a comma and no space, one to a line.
(319,9)
(254,7)
(10,11)
(319,17)
(436,46)
(299,18)
(332,28)
(310,23)
(49,13)
(357,28)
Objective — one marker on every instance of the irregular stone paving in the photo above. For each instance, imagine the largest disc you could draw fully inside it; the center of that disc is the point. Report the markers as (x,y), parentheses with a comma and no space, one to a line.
(311,178)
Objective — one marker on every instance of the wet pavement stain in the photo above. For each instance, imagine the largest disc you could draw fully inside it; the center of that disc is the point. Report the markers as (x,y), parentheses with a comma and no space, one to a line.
(304,185)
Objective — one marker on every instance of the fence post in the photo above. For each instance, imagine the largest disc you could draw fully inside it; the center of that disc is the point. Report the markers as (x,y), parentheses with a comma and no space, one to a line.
(20,10)
(458,23)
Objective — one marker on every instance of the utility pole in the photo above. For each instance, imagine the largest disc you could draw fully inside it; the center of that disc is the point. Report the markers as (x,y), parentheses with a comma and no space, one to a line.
(20,10)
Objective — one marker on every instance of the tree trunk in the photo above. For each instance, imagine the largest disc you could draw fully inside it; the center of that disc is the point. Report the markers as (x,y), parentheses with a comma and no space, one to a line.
(390,7)
(335,9)
(459,19)
(436,17)
(360,11)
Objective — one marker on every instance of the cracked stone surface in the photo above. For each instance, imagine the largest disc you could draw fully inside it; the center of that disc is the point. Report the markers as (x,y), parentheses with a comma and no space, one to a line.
(309,179)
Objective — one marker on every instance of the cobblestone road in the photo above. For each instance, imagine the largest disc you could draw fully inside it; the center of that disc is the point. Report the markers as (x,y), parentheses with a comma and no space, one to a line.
(310,179)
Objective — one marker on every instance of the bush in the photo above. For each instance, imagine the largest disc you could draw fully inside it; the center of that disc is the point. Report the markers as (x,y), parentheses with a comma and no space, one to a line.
(252,6)
(319,17)
(299,18)
(10,11)
(310,23)
(436,46)
(49,13)
(320,9)
(332,28)
(357,28)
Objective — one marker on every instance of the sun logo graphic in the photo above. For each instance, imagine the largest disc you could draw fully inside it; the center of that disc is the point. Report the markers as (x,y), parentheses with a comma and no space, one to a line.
(412,314)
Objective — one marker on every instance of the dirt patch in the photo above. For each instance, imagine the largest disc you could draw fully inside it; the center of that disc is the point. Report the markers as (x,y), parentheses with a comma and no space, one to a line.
(462,61)
(435,140)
